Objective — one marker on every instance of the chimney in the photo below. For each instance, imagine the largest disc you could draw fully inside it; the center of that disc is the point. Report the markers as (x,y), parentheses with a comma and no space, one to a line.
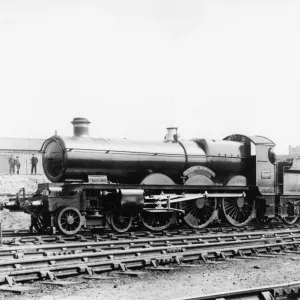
(81,127)
(172,135)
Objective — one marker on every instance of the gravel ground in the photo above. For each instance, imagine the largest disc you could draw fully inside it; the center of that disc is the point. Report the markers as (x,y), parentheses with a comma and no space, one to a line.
(12,184)
(200,279)
(184,282)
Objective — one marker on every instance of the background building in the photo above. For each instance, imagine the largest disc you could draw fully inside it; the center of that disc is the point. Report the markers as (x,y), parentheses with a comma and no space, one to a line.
(24,148)
(294,151)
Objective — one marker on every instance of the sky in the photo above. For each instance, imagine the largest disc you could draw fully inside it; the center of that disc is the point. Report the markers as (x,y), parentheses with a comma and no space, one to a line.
(133,68)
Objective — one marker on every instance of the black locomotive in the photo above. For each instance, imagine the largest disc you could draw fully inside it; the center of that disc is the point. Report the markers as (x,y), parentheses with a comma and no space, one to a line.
(99,182)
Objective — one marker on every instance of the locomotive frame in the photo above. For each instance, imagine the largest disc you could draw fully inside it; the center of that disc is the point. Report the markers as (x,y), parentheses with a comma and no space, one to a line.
(82,200)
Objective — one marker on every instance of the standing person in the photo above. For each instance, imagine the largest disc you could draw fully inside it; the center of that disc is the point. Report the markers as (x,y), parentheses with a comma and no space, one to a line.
(11,162)
(18,164)
(34,162)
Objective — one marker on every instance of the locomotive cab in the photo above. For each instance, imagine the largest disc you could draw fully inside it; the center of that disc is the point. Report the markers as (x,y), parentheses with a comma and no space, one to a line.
(263,163)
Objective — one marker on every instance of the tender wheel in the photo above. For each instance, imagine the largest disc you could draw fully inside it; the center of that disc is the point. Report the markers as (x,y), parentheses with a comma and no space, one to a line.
(293,214)
(238,211)
(157,221)
(69,220)
(199,213)
(120,223)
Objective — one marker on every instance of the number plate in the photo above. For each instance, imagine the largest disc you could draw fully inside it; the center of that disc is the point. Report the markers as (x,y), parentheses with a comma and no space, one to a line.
(265,175)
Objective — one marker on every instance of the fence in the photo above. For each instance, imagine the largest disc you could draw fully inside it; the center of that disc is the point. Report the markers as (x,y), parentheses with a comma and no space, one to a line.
(25,161)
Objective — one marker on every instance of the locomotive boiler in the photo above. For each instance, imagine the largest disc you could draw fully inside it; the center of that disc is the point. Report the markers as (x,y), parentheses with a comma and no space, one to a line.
(125,161)
(98,182)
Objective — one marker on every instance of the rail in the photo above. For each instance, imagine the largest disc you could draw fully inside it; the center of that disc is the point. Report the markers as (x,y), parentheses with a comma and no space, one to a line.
(97,261)
(84,245)
(289,290)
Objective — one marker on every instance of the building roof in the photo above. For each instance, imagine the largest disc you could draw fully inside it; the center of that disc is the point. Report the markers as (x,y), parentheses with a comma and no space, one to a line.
(21,144)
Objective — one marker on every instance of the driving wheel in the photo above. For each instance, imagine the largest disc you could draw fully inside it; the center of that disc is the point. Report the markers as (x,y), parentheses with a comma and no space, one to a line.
(157,221)
(238,211)
(119,222)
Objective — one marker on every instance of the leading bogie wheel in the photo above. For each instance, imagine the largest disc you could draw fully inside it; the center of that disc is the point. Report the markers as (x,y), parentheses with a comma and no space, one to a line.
(157,221)
(238,211)
(69,220)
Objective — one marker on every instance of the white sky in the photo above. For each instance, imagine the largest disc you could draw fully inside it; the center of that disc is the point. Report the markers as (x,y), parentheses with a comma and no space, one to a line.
(134,67)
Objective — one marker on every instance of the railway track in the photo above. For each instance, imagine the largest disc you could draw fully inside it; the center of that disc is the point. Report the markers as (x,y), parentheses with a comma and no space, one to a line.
(34,251)
(273,292)
(94,259)
(22,236)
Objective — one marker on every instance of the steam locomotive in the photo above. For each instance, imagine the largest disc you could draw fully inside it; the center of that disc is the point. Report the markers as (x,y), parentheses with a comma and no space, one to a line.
(97,182)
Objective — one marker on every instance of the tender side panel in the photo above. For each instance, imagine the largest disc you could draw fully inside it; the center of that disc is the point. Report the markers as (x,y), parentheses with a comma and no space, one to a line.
(291,178)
